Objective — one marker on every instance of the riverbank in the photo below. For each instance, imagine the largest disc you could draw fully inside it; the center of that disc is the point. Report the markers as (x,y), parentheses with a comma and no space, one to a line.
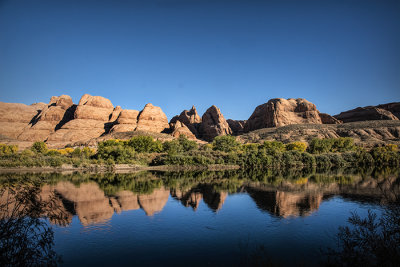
(117,168)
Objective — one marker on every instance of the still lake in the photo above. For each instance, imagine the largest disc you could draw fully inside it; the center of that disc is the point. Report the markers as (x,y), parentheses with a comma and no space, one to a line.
(199,218)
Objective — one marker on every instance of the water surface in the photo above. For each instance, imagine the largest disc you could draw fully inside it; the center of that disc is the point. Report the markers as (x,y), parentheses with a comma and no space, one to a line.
(197,219)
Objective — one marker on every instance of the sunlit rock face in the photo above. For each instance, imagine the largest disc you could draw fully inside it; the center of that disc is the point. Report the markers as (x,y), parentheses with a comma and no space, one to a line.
(152,119)
(286,204)
(154,202)
(178,128)
(91,119)
(126,121)
(59,111)
(14,118)
(280,112)
(190,118)
(213,124)
(368,113)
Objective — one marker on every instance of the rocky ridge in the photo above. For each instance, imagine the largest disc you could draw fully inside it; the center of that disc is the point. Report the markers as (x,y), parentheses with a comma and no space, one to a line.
(94,118)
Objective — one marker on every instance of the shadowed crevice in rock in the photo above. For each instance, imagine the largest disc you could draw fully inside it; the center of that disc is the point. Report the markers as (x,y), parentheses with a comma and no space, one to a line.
(69,115)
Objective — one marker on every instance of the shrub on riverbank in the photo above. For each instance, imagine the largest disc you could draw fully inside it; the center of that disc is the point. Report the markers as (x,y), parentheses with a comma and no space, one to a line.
(225,150)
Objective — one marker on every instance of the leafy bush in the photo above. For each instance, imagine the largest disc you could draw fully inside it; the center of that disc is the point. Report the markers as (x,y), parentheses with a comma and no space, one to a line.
(226,143)
(342,144)
(298,146)
(273,147)
(8,149)
(145,144)
(39,147)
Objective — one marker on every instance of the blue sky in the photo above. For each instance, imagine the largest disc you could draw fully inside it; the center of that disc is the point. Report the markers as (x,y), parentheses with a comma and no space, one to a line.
(338,54)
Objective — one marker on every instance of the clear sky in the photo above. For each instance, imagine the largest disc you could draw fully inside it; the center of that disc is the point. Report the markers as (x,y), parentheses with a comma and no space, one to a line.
(338,54)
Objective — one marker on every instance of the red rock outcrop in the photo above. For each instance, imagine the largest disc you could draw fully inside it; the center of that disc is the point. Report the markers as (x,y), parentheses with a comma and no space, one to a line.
(126,122)
(328,119)
(59,110)
(190,118)
(280,112)
(213,124)
(365,114)
(14,118)
(236,126)
(178,128)
(91,118)
(394,108)
(152,119)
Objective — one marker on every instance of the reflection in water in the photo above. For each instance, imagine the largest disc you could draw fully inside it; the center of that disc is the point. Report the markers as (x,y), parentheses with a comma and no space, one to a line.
(373,240)
(95,198)
(25,238)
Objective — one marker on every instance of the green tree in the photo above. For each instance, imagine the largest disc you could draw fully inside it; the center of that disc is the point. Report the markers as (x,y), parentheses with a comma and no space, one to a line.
(226,143)
(39,147)
(145,144)
(273,147)
(296,146)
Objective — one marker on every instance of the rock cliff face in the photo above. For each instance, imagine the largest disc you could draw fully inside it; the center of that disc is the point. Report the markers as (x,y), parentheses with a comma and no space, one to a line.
(280,112)
(213,124)
(178,128)
(394,108)
(91,119)
(328,119)
(237,127)
(14,118)
(368,113)
(59,111)
(127,121)
(60,122)
(152,119)
(190,118)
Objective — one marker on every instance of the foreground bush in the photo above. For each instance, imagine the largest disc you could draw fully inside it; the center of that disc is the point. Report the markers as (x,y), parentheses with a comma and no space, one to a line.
(8,149)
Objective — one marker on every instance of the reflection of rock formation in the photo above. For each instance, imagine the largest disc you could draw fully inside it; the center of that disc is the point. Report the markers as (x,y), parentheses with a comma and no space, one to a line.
(127,200)
(285,204)
(190,198)
(89,201)
(154,202)
(213,199)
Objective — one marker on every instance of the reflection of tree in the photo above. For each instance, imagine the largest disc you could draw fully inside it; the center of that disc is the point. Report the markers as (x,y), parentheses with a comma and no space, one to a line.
(370,241)
(25,237)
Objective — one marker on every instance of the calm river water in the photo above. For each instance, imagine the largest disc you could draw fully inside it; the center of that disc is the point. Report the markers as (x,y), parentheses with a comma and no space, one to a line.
(186,218)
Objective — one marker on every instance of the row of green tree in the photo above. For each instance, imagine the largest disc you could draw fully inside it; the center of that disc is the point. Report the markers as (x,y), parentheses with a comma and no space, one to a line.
(144,150)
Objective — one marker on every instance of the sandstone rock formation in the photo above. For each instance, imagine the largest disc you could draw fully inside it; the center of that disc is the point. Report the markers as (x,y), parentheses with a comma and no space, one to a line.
(280,112)
(365,114)
(178,129)
(236,126)
(91,118)
(394,108)
(126,122)
(59,111)
(14,118)
(328,119)
(152,119)
(213,124)
(190,118)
